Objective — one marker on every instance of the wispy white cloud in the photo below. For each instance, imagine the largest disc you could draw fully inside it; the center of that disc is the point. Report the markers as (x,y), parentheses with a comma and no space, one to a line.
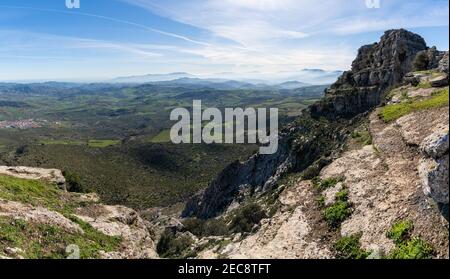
(241,36)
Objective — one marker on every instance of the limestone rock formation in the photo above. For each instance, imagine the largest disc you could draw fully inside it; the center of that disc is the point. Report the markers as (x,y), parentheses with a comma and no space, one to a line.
(50,175)
(137,241)
(434,166)
(376,68)
(258,171)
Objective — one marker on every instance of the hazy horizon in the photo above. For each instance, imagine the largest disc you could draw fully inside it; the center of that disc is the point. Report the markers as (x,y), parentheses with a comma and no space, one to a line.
(104,39)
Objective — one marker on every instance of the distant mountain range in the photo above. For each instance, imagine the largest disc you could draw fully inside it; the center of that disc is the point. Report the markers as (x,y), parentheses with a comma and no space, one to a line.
(152,78)
(280,80)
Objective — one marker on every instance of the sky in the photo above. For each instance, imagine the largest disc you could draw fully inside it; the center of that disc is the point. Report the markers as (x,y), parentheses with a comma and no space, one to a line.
(103,39)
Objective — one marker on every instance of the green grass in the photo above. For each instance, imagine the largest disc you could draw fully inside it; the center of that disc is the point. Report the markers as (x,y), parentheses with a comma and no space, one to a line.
(393,112)
(163,136)
(62,142)
(39,241)
(348,247)
(46,241)
(91,143)
(34,192)
(424,85)
(102,143)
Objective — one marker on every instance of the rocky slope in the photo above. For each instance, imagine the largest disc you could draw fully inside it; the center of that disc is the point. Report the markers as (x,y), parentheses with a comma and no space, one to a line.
(361,174)
(365,168)
(39,219)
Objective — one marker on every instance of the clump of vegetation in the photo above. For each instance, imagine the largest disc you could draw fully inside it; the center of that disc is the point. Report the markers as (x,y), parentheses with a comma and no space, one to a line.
(342,195)
(41,241)
(421,62)
(321,201)
(173,245)
(210,227)
(424,85)
(321,185)
(362,137)
(406,246)
(401,231)
(337,213)
(395,111)
(249,216)
(414,249)
(73,182)
(314,169)
(21,150)
(348,247)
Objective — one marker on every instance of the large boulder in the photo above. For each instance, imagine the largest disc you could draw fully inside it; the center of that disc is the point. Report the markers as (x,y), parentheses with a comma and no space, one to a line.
(439,81)
(434,166)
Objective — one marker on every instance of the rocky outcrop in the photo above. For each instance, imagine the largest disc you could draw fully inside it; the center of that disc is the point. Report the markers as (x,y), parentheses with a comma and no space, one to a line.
(434,166)
(443,64)
(377,67)
(137,241)
(38,215)
(50,175)
(433,57)
(42,206)
(259,172)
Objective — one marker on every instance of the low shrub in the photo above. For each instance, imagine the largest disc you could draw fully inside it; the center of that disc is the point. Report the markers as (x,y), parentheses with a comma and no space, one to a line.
(247,218)
(73,182)
(401,231)
(173,245)
(414,249)
(210,227)
(406,246)
(348,247)
(337,213)
(321,185)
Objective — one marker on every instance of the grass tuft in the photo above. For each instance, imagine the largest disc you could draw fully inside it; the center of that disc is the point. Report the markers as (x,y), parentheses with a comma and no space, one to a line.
(393,112)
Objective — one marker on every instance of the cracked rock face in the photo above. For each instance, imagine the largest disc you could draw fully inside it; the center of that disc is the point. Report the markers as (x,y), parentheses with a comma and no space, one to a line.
(433,167)
(376,68)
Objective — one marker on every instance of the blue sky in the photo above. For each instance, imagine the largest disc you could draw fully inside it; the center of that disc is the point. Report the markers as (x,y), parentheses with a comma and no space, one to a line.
(43,40)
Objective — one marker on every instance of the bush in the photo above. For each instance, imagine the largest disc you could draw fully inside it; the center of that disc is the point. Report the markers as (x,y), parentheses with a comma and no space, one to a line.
(421,62)
(348,247)
(201,228)
(337,213)
(73,182)
(342,195)
(405,246)
(21,150)
(247,218)
(412,249)
(171,245)
(401,231)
